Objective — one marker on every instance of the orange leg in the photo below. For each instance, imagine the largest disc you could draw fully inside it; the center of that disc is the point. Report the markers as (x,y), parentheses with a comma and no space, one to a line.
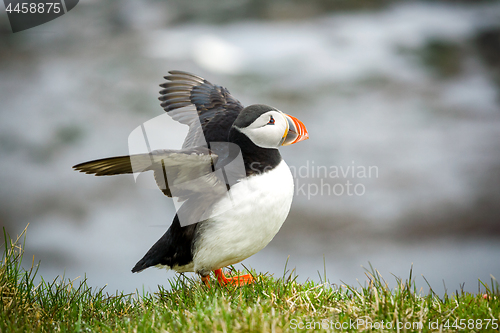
(239,280)
(205,280)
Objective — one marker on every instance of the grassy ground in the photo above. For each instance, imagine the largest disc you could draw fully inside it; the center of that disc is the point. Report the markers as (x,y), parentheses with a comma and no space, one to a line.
(271,304)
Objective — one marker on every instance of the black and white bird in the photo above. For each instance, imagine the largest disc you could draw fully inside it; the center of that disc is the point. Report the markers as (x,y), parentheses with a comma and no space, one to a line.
(229,212)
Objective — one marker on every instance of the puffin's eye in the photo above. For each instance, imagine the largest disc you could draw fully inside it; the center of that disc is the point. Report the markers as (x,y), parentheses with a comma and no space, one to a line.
(271,121)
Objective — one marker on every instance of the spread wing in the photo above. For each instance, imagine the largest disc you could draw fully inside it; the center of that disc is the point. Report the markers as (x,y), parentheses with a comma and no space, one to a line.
(178,173)
(190,174)
(209,110)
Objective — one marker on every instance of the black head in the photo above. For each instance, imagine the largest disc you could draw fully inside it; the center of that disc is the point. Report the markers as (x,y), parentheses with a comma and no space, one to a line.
(264,125)
(268,127)
(249,114)
(260,129)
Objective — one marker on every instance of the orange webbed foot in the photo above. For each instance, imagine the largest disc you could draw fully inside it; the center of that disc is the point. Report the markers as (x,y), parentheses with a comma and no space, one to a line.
(239,280)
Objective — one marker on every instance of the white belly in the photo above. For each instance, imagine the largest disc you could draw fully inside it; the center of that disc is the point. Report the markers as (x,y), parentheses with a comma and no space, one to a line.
(258,207)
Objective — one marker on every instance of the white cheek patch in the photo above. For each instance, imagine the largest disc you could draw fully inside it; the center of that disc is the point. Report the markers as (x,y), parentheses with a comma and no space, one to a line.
(268,136)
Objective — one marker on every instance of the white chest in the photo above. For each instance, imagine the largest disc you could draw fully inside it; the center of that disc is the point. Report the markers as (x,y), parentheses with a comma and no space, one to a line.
(247,221)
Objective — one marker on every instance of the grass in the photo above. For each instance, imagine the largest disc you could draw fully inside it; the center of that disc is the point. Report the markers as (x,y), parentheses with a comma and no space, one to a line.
(271,304)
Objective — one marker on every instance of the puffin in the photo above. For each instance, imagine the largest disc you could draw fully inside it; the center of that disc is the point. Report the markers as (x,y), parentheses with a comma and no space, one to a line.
(233,187)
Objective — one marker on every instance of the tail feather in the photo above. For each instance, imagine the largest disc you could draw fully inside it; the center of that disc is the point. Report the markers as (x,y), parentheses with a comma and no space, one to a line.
(172,249)
(143,264)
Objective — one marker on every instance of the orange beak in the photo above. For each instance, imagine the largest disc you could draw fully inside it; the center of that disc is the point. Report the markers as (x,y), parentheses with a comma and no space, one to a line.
(295,132)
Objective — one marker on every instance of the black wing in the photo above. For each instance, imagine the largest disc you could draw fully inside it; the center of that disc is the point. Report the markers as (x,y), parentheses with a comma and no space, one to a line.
(208,109)
(186,174)
(174,170)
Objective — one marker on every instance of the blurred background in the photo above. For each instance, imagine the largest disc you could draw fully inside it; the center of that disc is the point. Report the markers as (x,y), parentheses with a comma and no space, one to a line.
(411,89)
